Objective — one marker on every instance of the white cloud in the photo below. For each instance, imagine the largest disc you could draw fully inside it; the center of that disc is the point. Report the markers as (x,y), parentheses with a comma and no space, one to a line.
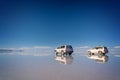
(24,48)
(117,47)
(33,51)
(42,47)
(8,48)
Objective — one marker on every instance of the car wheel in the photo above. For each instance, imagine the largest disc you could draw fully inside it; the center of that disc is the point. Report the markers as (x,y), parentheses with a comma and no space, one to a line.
(100,52)
(56,53)
(103,53)
(92,53)
(89,53)
(100,55)
(70,53)
(62,52)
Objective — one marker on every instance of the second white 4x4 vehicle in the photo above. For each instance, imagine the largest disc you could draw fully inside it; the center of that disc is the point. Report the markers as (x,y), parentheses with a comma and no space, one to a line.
(98,50)
(64,49)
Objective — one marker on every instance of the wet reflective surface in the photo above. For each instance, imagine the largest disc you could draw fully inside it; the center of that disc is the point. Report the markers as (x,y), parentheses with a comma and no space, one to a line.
(64,59)
(99,58)
(57,67)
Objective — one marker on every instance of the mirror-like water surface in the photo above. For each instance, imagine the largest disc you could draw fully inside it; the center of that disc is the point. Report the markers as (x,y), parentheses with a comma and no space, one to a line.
(57,67)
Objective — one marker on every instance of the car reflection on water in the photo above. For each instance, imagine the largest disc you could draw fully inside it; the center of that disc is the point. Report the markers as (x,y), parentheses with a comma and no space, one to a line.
(99,58)
(64,59)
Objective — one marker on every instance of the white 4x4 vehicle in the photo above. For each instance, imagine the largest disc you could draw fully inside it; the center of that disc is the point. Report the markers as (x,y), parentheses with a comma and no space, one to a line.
(98,50)
(65,49)
(99,59)
(64,59)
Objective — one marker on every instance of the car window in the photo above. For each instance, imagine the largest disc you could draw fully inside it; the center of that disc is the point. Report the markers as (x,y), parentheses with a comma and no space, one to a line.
(62,46)
(105,47)
(97,48)
(58,47)
(69,46)
(100,47)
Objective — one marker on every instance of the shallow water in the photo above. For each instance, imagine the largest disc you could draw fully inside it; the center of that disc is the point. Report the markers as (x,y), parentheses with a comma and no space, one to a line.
(52,67)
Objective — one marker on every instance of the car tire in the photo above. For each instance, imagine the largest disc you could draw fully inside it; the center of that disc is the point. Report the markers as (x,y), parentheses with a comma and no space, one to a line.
(100,55)
(103,53)
(92,53)
(62,52)
(70,53)
(89,53)
(99,52)
(56,53)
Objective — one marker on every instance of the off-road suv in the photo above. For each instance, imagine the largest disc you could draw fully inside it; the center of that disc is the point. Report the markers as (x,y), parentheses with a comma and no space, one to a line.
(99,59)
(98,50)
(64,59)
(65,49)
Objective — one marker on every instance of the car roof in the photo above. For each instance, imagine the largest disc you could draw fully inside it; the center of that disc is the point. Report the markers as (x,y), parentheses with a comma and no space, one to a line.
(101,46)
(65,45)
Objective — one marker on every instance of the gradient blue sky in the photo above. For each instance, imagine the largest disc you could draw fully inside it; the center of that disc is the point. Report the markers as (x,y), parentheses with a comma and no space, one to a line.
(55,22)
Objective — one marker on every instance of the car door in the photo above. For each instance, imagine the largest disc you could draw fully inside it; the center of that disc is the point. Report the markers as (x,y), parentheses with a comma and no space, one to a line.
(95,50)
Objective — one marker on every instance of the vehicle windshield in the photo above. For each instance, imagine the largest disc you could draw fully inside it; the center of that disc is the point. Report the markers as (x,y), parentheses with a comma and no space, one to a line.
(105,47)
(62,46)
(98,48)
(69,47)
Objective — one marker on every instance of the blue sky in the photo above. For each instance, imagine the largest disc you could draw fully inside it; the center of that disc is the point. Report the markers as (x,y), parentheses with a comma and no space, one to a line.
(56,22)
